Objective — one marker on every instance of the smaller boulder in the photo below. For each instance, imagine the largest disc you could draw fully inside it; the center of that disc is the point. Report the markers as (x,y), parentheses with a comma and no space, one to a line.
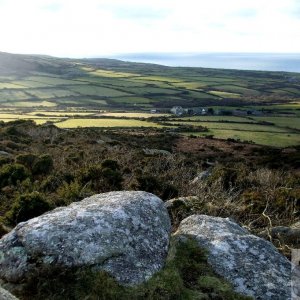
(252,264)
(289,235)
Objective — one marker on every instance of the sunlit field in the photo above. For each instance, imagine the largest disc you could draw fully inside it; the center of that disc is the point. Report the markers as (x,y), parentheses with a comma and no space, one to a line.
(74,123)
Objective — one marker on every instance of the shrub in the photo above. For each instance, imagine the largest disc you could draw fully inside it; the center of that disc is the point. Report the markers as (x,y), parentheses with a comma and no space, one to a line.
(111,179)
(27,206)
(43,165)
(111,164)
(12,173)
(27,160)
(72,192)
(51,183)
(156,186)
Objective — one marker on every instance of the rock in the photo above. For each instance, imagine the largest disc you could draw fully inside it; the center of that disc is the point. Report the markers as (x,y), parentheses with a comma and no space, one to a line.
(5,295)
(123,233)
(100,142)
(180,202)
(180,208)
(4,153)
(201,176)
(156,152)
(284,234)
(251,264)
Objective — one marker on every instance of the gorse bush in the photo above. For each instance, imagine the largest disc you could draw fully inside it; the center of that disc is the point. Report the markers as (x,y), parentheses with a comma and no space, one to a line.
(42,165)
(27,160)
(12,173)
(27,206)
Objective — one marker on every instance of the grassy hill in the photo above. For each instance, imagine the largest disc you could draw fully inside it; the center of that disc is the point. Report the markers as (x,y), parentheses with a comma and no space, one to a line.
(74,93)
(106,83)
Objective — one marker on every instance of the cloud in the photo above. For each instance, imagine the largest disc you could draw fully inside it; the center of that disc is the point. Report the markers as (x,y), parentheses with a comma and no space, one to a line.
(102,27)
(133,10)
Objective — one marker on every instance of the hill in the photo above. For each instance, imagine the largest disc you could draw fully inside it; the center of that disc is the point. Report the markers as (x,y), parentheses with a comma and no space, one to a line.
(258,107)
(110,84)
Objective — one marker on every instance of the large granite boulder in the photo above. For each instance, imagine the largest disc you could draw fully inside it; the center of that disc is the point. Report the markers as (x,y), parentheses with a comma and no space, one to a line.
(252,264)
(123,233)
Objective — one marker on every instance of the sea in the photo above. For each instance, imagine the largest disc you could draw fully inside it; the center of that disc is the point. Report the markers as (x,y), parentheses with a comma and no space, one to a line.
(241,61)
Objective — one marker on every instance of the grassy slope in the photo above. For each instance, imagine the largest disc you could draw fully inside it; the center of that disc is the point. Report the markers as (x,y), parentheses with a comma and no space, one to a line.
(33,84)
(36,78)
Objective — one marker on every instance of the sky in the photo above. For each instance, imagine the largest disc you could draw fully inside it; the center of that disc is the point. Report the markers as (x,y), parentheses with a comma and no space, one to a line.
(94,28)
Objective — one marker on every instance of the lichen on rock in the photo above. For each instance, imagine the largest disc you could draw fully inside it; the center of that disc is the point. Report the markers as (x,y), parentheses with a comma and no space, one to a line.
(252,264)
(123,233)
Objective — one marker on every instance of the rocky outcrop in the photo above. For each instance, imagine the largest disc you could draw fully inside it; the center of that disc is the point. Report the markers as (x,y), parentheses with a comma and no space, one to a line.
(251,264)
(123,233)
(5,295)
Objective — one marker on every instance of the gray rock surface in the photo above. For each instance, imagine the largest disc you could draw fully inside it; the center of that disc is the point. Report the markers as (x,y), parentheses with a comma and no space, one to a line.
(4,153)
(123,233)
(286,235)
(202,176)
(156,152)
(251,264)
(5,295)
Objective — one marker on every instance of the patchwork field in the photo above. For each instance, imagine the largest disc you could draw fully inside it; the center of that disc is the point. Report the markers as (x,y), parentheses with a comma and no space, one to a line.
(262,107)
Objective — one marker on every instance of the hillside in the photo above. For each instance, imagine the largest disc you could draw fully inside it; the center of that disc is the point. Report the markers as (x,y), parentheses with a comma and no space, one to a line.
(106,83)
(257,107)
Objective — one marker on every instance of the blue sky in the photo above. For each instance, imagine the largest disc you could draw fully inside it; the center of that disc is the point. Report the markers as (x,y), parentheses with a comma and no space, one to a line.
(107,27)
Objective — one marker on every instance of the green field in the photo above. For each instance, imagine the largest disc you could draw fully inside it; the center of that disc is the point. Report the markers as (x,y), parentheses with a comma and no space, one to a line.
(74,123)
(133,115)
(92,90)
(28,104)
(218,119)
(235,126)
(291,122)
(262,138)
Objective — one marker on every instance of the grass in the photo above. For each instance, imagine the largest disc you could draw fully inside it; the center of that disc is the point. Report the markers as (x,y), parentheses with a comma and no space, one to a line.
(74,123)
(190,85)
(236,89)
(225,94)
(13,95)
(25,104)
(110,74)
(160,78)
(152,90)
(93,90)
(291,122)
(7,85)
(236,126)
(133,115)
(262,138)
(52,93)
(52,80)
(218,119)
(132,100)
(61,113)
